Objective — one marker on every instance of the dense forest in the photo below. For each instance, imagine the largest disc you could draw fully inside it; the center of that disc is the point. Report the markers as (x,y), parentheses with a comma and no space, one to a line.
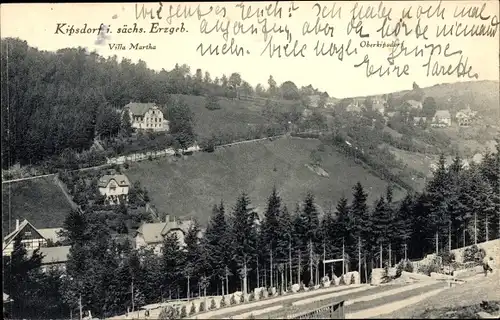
(55,101)
(459,206)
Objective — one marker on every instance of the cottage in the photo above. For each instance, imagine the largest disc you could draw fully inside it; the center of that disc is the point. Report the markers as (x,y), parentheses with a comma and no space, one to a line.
(146,116)
(442,118)
(53,257)
(465,117)
(354,106)
(151,235)
(30,237)
(379,106)
(114,187)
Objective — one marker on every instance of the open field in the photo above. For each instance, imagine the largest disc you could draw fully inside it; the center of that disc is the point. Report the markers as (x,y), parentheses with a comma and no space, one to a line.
(253,168)
(40,201)
(233,115)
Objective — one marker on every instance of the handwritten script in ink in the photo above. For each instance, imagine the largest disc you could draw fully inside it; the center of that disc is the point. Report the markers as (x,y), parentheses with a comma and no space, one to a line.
(379,39)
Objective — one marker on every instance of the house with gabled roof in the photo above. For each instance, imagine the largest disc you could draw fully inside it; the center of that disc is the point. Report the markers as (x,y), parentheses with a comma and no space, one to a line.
(114,187)
(146,116)
(151,235)
(441,119)
(30,237)
(53,257)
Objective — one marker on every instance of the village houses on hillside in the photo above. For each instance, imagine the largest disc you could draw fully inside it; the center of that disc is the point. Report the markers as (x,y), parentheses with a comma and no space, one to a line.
(114,187)
(146,116)
(151,235)
(38,239)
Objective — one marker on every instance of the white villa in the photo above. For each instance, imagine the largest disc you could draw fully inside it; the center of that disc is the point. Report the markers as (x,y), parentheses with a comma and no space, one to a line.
(146,116)
(465,117)
(442,118)
(114,187)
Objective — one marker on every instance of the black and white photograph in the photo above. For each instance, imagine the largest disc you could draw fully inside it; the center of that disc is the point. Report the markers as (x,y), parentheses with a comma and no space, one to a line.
(251,160)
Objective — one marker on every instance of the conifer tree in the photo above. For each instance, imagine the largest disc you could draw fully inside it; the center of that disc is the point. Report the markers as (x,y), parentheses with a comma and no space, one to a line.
(217,242)
(361,224)
(172,264)
(270,227)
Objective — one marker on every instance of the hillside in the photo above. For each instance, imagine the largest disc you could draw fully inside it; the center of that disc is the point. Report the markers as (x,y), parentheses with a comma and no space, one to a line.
(40,201)
(190,186)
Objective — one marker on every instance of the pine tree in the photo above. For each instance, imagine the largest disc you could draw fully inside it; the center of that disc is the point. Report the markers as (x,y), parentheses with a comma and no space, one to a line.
(361,224)
(194,257)
(381,225)
(243,235)
(402,225)
(438,195)
(172,263)
(270,227)
(217,241)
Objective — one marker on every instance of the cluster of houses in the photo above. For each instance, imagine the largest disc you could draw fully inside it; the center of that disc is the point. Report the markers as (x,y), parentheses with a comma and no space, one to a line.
(441,119)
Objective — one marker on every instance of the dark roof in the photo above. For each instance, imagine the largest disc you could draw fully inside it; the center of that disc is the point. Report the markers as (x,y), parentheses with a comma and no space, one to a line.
(139,109)
(120,179)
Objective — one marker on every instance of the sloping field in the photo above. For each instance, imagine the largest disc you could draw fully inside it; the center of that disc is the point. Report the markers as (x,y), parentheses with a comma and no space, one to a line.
(192,185)
(40,201)
(233,115)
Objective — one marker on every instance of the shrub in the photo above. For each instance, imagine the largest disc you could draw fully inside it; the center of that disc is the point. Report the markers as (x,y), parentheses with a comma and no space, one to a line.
(242,298)
(311,285)
(270,291)
(474,254)
(212,304)
(426,269)
(261,294)
(403,266)
(301,288)
(251,297)
(447,257)
(223,302)
(385,274)
(168,313)
(342,281)
(193,309)
(202,306)
(353,280)
(232,301)
(183,312)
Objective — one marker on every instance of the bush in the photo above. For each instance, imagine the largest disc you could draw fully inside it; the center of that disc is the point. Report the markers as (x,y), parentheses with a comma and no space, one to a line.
(183,312)
(342,281)
(311,285)
(168,313)
(474,254)
(232,301)
(213,305)
(403,266)
(447,257)
(353,280)
(242,298)
(223,302)
(385,275)
(202,306)
(426,269)
(193,309)
(261,294)
(301,287)
(251,297)
(270,291)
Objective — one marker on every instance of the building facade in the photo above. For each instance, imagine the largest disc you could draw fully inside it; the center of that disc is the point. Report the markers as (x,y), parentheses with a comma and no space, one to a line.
(114,187)
(30,237)
(146,116)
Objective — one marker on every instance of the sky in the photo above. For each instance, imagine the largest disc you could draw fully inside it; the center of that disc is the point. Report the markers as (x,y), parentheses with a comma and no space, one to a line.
(37,24)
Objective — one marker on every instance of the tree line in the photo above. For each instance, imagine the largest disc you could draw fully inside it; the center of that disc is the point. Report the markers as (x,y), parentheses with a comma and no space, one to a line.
(239,250)
(58,101)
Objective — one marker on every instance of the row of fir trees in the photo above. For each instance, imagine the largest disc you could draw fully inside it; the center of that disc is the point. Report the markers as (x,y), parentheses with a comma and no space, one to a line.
(240,251)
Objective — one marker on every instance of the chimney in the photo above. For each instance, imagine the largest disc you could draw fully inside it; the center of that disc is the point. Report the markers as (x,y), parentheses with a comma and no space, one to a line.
(17,224)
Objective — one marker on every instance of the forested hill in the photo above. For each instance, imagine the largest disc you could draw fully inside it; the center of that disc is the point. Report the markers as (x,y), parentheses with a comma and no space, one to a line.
(52,101)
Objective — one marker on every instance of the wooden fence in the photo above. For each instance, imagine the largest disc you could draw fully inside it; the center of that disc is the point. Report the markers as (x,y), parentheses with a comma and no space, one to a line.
(325,309)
